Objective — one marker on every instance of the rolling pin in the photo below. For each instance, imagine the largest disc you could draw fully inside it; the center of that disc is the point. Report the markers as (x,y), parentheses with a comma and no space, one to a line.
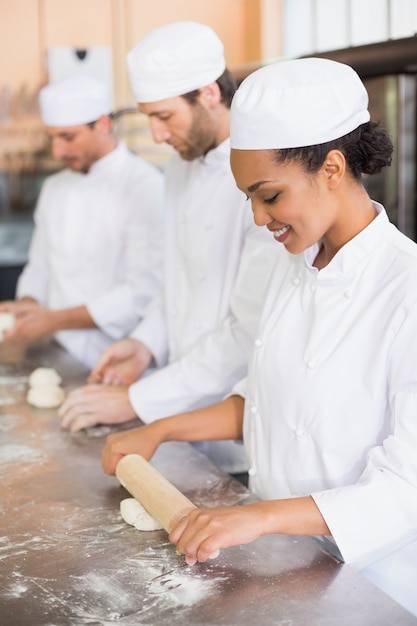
(154,492)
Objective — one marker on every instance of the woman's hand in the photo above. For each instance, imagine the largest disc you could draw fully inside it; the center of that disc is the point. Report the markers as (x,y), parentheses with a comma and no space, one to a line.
(204,531)
(143,440)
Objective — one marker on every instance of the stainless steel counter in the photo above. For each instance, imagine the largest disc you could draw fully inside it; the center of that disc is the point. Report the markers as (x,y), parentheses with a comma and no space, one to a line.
(67,558)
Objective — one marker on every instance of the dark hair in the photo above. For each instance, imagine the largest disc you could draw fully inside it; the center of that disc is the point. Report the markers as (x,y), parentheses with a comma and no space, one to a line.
(227,84)
(367,150)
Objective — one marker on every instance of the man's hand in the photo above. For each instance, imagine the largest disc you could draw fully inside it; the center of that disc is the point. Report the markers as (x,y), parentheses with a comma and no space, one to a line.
(95,404)
(33,321)
(122,363)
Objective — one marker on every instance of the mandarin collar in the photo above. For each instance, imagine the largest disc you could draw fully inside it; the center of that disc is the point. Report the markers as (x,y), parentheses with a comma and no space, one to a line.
(355,250)
(218,154)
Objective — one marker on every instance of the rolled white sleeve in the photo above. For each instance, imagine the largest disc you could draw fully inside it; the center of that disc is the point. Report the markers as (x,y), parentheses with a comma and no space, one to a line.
(240,388)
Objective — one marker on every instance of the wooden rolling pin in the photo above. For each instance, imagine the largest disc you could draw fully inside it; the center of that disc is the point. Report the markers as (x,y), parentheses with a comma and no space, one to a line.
(154,492)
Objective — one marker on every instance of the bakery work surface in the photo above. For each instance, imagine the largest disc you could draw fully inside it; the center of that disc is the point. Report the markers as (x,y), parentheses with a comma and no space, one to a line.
(67,557)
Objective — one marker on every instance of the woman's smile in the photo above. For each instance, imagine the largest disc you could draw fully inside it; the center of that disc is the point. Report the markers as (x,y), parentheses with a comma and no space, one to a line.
(279,234)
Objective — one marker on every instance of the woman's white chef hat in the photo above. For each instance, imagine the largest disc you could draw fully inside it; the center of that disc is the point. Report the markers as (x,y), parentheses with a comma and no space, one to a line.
(173,60)
(296,103)
(75,100)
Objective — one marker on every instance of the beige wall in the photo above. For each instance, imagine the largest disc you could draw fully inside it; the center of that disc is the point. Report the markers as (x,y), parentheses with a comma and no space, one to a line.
(29,27)
(19,42)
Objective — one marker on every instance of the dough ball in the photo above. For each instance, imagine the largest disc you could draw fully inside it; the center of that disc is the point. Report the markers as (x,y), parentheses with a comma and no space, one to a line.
(7,320)
(45,396)
(136,515)
(44,376)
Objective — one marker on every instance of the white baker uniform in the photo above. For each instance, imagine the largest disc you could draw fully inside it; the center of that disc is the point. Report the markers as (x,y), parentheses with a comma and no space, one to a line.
(331,394)
(98,242)
(200,330)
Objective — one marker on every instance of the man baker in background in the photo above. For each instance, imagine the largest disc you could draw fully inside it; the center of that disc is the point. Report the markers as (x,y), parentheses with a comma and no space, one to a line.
(95,255)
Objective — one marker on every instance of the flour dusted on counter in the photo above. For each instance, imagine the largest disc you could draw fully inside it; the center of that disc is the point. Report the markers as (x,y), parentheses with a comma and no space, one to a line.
(7,321)
(136,515)
(44,388)
(13,453)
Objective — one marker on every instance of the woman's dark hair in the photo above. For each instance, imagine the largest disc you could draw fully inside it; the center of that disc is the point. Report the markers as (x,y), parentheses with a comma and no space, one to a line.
(367,150)
(227,84)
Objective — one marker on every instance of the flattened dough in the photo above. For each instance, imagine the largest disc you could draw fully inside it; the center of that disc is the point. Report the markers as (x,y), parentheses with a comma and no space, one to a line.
(46,396)
(136,515)
(44,376)
(7,320)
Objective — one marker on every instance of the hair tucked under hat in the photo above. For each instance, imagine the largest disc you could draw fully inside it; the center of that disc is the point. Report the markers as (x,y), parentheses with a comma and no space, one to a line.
(296,103)
(174,60)
(72,101)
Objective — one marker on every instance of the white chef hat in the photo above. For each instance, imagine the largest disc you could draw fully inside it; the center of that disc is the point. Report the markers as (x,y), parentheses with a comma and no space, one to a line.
(75,100)
(173,60)
(296,103)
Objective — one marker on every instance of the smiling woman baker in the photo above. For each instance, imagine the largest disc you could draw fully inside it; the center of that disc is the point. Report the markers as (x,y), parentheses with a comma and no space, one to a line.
(328,412)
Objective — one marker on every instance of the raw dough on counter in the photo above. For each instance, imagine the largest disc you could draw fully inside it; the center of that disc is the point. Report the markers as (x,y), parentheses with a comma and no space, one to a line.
(46,396)
(7,321)
(136,515)
(44,376)
(44,390)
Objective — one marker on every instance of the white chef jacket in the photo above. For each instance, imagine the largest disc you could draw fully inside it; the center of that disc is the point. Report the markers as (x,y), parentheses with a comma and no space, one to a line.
(98,242)
(201,327)
(331,393)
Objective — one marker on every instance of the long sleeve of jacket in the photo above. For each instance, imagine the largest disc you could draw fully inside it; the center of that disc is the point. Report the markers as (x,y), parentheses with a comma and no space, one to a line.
(386,492)
(152,330)
(209,370)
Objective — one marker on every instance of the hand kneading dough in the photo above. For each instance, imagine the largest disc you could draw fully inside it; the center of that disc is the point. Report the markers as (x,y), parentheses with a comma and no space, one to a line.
(136,515)
(44,376)
(7,320)
(46,396)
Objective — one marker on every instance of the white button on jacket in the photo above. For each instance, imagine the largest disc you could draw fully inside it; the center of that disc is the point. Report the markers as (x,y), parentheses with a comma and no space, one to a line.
(345,430)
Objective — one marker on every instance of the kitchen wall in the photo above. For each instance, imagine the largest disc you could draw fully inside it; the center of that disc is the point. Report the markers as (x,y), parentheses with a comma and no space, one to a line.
(29,28)
(310,26)
(34,33)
